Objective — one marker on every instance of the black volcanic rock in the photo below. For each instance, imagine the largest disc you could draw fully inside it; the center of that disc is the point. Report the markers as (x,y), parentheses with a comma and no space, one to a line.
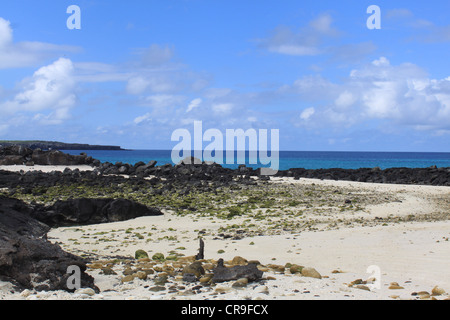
(19,155)
(56,157)
(223,274)
(75,212)
(27,259)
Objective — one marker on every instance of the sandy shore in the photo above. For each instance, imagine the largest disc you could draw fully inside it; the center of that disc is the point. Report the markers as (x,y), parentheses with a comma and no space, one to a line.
(17,168)
(405,257)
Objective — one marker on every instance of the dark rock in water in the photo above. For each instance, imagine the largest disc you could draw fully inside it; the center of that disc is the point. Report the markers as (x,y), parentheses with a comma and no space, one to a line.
(27,259)
(249,271)
(92,211)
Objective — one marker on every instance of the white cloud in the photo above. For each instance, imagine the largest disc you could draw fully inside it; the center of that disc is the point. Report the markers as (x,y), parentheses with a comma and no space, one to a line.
(55,117)
(400,94)
(50,88)
(143,118)
(295,50)
(222,108)
(25,54)
(307,113)
(345,99)
(137,85)
(194,104)
(6,34)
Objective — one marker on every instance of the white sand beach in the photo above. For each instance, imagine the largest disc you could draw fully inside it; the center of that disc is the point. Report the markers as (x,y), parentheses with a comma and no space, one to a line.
(408,259)
(18,168)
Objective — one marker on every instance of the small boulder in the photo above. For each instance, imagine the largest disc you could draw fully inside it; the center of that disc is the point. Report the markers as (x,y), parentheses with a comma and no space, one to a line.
(437,291)
(311,273)
(158,257)
(194,268)
(140,254)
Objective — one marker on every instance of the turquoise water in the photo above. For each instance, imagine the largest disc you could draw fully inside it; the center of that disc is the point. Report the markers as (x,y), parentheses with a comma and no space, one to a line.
(294,159)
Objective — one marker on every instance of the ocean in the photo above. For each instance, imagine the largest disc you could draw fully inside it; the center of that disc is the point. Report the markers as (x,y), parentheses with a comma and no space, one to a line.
(293,159)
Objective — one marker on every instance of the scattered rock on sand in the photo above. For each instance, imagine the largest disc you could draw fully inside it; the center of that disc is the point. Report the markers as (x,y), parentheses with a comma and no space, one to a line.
(140,254)
(240,283)
(195,268)
(311,273)
(437,291)
(249,271)
(395,286)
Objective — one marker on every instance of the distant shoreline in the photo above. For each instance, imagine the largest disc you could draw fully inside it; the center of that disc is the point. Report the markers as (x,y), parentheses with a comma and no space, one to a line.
(54,145)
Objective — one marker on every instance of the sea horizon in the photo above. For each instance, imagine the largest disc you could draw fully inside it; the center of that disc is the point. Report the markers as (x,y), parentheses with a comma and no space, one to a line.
(290,159)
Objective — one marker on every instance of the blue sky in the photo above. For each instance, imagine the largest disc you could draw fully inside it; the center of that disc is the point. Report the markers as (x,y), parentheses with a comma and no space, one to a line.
(138,70)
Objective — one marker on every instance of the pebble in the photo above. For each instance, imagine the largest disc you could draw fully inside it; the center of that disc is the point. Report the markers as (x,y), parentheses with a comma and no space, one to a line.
(276,268)
(128,278)
(238,261)
(263,290)
(362,287)
(240,283)
(295,268)
(437,291)
(25,293)
(206,278)
(141,275)
(157,288)
(395,286)
(194,268)
(311,273)
(161,280)
(86,291)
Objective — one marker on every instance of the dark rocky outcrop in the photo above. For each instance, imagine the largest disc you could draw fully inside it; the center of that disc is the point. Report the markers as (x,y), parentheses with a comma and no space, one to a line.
(75,212)
(418,176)
(27,259)
(249,271)
(191,170)
(20,155)
(54,145)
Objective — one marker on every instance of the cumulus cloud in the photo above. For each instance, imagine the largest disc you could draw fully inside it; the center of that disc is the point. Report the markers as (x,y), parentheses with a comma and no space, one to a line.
(25,54)
(51,88)
(401,94)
